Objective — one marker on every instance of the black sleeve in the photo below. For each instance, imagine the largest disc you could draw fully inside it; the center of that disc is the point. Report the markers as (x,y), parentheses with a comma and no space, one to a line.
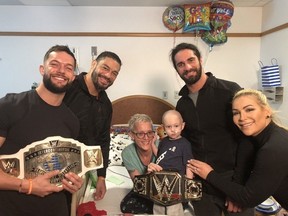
(244,160)
(265,179)
(105,146)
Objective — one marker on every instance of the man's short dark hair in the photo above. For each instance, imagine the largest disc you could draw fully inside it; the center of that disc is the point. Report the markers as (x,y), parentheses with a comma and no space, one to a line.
(109,55)
(183,46)
(60,48)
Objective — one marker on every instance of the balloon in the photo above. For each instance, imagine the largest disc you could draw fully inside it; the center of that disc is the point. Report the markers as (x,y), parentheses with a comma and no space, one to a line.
(220,16)
(221,13)
(197,17)
(173,18)
(215,37)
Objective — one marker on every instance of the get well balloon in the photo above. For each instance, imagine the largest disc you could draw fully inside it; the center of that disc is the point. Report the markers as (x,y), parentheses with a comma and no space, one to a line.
(197,17)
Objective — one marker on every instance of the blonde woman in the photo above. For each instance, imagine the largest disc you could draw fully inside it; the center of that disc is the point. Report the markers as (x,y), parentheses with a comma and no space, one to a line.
(269,170)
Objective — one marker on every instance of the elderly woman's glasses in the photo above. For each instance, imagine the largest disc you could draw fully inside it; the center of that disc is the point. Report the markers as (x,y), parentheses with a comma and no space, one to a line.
(141,135)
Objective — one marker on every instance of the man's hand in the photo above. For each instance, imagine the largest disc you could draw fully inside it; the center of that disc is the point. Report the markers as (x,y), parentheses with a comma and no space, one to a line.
(100,188)
(41,186)
(72,182)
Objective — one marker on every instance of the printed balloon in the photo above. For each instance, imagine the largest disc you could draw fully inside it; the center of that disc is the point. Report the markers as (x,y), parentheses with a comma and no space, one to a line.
(197,17)
(215,36)
(173,18)
(221,13)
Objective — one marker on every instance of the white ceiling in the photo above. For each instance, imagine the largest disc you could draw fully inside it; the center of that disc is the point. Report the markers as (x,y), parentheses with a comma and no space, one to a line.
(136,3)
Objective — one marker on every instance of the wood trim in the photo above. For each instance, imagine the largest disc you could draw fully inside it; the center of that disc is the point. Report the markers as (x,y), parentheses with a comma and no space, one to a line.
(130,34)
(244,34)
(117,34)
(278,28)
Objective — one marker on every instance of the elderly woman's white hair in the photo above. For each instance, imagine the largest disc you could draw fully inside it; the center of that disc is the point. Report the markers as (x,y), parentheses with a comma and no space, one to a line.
(139,118)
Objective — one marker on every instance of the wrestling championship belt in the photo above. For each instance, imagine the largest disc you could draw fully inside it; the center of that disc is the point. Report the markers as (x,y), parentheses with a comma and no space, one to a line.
(52,153)
(167,187)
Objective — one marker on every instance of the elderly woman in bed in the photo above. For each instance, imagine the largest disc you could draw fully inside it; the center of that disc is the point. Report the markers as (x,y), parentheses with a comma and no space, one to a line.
(136,158)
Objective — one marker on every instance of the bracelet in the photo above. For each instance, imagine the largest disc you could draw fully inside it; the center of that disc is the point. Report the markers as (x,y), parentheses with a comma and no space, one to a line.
(30,186)
(20,186)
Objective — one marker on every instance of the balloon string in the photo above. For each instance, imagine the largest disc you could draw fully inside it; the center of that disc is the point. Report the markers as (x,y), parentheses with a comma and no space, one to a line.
(210,48)
(174,40)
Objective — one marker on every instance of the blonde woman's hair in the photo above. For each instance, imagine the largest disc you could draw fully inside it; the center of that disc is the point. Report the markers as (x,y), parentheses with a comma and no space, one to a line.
(139,118)
(261,99)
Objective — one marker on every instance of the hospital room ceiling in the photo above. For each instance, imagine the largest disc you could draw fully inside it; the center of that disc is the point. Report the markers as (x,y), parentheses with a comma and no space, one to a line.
(126,3)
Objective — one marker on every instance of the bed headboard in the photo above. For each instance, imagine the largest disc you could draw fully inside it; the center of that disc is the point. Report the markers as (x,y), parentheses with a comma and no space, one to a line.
(125,107)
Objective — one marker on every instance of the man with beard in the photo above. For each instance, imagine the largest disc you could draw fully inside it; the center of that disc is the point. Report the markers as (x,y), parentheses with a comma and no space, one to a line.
(88,100)
(205,106)
(32,116)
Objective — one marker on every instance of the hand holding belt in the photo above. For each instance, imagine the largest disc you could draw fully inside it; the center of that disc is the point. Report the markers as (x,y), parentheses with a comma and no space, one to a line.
(167,188)
(52,153)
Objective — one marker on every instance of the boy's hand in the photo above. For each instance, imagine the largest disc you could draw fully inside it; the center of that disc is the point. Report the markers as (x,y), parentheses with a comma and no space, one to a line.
(152,167)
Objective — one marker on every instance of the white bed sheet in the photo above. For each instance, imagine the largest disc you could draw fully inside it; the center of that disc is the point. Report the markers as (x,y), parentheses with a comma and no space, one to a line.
(118,184)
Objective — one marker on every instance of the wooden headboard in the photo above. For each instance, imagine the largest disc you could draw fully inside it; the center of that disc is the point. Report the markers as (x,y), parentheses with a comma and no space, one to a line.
(125,107)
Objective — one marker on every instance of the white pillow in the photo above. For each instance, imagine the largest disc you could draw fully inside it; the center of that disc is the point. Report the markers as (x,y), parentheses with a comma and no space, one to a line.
(119,140)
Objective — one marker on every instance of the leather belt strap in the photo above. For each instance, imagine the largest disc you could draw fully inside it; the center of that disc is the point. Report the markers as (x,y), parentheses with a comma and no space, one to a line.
(167,187)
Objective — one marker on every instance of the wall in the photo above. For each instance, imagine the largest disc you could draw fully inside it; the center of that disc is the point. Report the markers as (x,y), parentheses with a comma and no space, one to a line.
(146,65)
(275,46)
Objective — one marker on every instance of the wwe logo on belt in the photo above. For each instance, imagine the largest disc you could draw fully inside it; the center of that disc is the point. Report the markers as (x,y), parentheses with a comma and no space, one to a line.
(10,166)
(166,187)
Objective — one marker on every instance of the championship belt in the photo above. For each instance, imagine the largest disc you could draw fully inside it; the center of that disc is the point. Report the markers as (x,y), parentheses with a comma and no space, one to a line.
(167,187)
(52,153)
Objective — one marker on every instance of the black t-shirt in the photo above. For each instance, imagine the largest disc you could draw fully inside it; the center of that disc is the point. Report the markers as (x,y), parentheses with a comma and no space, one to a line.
(174,154)
(26,118)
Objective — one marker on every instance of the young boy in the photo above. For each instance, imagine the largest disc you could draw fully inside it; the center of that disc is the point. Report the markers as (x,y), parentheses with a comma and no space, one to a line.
(172,154)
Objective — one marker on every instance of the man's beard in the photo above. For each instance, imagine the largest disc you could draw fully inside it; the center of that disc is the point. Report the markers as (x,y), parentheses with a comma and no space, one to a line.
(97,85)
(53,88)
(193,79)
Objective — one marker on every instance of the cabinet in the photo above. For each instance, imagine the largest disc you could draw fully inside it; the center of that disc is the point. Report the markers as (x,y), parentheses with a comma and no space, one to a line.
(274,94)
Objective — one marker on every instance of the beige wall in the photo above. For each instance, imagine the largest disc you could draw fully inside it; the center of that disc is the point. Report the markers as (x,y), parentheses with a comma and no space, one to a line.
(146,65)
(275,45)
